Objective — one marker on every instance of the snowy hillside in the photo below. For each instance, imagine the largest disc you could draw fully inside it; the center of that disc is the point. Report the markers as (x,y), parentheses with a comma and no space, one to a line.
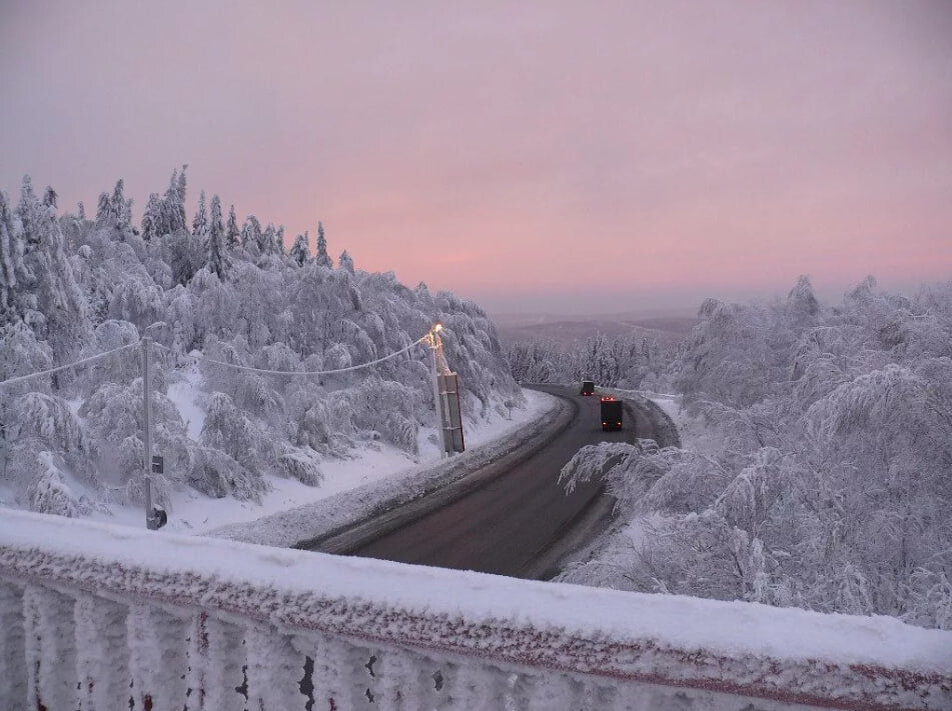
(223,304)
(817,467)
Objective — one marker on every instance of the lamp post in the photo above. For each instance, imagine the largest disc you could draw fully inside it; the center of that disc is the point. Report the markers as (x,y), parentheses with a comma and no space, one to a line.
(147,427)
(155,516)
(435,348)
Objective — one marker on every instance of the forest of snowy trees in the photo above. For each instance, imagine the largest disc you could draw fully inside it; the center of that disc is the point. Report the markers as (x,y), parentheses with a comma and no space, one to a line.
(630,362)
(823,478)
(74,286)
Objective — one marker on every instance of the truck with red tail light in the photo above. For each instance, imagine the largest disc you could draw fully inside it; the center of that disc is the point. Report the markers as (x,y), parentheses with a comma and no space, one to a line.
(611,410)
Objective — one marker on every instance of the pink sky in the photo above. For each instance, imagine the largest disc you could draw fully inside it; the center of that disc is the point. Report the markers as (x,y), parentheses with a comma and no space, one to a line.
(569,156)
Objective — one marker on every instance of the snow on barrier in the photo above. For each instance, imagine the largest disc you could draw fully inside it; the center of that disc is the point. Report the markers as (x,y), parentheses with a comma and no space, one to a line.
(97,616)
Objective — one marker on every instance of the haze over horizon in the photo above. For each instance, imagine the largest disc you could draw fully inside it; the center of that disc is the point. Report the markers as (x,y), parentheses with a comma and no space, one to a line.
(541,157)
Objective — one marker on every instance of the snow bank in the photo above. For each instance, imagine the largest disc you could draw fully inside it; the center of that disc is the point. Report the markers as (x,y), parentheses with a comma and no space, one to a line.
(792,655)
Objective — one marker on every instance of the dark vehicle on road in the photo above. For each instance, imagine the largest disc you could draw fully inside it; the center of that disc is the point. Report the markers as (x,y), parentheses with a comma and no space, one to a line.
(588,388)
(611,413)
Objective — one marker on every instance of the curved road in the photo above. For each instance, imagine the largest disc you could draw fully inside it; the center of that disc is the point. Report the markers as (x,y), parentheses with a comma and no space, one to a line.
(506,525)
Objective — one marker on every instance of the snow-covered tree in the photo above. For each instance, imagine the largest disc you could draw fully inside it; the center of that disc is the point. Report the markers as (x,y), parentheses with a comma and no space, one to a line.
(200,221)
(322,259)
(232,234)
(48,296)
(251,235)
(301,249)
(269,313)
(176,201)
(824,480)
(12,268)
(346,262)
(215,250)
(152,219)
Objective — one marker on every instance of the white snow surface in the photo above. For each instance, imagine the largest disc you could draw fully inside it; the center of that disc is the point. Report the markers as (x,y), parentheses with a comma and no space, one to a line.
(733,629)
(379,465)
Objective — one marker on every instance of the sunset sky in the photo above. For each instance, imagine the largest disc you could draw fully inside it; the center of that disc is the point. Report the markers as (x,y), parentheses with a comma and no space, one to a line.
(557,156)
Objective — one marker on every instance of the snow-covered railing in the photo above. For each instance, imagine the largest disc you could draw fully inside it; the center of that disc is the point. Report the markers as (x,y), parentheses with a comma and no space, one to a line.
(93,615)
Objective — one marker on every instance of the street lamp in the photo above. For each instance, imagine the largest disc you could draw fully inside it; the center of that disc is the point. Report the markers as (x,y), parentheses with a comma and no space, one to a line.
(445,395)
(435,356)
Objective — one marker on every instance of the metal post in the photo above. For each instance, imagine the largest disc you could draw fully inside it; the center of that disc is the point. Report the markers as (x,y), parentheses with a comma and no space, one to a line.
(436,393)
(147,427)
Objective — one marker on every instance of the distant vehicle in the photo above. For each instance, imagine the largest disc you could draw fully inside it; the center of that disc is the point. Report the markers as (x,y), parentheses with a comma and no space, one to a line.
(611,413)
(588,388)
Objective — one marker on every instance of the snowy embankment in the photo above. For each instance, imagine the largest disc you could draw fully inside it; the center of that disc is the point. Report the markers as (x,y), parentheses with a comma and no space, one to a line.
(325,517)
(376,466)
(790,655)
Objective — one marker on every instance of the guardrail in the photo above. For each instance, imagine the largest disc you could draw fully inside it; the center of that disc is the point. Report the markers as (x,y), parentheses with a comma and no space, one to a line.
(96,616)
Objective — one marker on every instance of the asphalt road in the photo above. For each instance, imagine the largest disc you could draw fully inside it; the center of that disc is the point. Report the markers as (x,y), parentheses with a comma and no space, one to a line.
(507,524)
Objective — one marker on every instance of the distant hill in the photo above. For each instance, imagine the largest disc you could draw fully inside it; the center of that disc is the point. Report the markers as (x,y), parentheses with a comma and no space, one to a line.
(567,330)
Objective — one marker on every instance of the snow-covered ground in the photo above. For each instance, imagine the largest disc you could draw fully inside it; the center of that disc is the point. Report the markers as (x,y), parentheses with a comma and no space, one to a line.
(193,512)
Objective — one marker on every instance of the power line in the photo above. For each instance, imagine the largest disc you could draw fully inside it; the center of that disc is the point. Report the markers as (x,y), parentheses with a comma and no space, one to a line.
(58,368)
(266,371)
(50,371)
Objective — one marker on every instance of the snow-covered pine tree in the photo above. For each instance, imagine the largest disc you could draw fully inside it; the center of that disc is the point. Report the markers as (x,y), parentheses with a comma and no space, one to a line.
(322,259)
(232,234)
(200,221)
(251,236)
(270,241)
(215,249)
(12,268)
(346,262)
(178,204)
(121,210)
(173,205)
(152,218)
(301,249)
(114,213)
(50,197)
(103,210)
(52,303)
(27,211)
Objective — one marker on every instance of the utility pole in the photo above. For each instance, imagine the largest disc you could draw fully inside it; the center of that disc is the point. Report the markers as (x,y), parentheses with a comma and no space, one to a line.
(147,427)
(434,341)
(445,397)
